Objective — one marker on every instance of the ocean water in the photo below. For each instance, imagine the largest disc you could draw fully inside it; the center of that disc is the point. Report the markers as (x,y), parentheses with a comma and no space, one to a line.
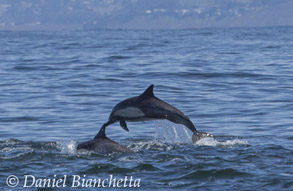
(58,88)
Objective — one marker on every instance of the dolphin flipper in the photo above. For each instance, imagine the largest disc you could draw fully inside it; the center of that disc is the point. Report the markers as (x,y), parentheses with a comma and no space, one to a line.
(102,134)
(124,125)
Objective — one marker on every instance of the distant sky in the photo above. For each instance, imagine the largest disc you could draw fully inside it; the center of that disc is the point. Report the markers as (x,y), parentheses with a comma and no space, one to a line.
(142,14)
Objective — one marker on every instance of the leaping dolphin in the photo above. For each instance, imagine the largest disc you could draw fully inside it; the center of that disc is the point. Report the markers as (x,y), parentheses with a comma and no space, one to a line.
(148,107)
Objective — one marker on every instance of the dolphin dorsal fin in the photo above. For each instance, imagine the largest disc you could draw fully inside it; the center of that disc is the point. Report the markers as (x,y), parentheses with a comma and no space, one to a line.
(101,133)
(149,92)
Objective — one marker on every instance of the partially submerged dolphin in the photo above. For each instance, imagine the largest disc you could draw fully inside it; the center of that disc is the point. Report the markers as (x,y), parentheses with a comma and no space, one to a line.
(148,107)
(102,145)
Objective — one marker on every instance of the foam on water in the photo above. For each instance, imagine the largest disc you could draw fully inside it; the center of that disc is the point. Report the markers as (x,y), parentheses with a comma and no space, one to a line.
(14,152)
(11,149)
(209,141)
(149,145)
(68,147)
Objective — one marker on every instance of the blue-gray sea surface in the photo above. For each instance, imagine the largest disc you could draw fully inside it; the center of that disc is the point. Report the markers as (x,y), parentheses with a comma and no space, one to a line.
(58,88)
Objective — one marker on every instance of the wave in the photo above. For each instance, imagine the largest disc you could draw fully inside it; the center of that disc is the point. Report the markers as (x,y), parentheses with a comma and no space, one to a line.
(214,174)
(155,145)
(12,149)
(209,141)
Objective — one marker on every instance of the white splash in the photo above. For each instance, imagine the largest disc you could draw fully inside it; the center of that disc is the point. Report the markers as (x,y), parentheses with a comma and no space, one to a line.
(68,147)
(15,152)
(175,133)
(172,133)
(150,145)
(209,141)
(12,149)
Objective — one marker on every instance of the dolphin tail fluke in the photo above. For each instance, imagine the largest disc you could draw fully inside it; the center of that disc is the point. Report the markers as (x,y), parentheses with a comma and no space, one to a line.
(199,135)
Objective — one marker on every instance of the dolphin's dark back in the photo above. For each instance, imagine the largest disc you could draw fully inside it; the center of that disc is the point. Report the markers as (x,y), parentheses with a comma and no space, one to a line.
(103,146)
(155,108)
(133,101)
(123,104)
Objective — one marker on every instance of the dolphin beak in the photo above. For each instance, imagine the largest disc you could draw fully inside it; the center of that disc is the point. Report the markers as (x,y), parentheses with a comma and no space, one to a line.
(199,135)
